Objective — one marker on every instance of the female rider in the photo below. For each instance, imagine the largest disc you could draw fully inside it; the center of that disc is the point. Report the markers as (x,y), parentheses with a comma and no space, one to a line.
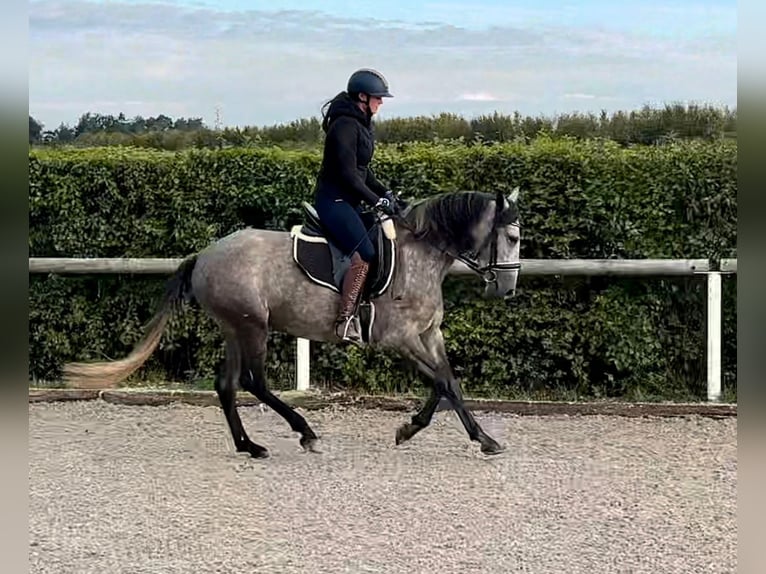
(345,181)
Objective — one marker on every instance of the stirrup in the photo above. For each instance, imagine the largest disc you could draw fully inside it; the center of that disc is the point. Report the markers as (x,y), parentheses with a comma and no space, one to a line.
(351,329)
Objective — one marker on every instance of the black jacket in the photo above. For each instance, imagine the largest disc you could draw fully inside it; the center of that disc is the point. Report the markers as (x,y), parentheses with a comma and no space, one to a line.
(348,149)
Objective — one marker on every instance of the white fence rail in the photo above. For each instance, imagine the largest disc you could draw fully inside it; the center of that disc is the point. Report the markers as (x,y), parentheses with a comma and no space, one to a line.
(583,267)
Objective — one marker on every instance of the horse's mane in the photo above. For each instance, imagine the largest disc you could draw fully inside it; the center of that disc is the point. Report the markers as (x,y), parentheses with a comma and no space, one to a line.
(448,218)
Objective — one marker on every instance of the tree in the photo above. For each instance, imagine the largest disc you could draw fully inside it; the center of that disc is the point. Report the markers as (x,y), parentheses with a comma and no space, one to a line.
(35,131)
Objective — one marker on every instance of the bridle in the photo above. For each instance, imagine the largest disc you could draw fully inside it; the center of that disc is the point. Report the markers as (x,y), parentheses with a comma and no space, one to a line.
(470,259)
(489,271)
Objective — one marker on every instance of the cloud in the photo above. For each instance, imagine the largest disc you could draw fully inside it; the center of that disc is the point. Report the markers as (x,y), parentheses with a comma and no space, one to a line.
(262,66)
(479,97)
(579,96)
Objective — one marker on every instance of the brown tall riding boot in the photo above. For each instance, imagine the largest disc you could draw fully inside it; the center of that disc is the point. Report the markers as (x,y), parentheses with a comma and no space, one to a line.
(347,325)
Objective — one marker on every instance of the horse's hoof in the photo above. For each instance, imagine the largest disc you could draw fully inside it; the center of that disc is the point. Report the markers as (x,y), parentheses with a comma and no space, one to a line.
(405,432)
(310,445)
(259,453)
(491,447)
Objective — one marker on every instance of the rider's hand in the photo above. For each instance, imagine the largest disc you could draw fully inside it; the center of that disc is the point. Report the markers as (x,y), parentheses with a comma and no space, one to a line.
(397,203)
(386,205)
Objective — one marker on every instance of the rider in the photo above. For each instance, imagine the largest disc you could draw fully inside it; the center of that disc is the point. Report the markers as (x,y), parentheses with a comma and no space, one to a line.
(345,181)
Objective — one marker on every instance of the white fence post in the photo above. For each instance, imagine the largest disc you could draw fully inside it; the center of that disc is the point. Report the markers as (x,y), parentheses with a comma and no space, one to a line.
(714,337)
(303,364)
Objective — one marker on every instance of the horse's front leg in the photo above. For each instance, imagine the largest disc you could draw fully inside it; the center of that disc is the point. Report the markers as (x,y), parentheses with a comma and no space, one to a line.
(430,355)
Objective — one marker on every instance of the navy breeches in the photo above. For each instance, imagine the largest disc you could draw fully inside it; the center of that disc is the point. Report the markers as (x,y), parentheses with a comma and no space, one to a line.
(345,224)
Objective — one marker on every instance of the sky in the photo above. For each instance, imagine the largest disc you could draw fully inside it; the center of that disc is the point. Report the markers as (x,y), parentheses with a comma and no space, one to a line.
(258,62)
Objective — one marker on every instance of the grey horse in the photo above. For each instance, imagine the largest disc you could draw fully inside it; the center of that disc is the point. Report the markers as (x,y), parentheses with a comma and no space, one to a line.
(249,283)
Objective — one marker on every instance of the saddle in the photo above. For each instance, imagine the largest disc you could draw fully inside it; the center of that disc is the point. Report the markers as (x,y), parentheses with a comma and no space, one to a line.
(326,265)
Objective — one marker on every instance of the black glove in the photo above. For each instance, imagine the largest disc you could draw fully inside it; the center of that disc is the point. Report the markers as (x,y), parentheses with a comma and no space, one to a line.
(396,202)
(386,205)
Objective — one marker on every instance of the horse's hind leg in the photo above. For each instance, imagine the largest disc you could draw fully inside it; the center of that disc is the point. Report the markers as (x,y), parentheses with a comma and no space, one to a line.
(253,379)
(225,386)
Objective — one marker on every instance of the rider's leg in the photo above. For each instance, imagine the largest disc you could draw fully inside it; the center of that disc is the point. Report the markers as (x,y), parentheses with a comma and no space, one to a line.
(346,327)
(349,233)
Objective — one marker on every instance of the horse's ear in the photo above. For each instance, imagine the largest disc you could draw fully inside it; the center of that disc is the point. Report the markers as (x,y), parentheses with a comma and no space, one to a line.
(514,196)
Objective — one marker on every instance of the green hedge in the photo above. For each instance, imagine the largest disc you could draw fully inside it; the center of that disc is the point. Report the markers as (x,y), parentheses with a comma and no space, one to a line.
(589,337)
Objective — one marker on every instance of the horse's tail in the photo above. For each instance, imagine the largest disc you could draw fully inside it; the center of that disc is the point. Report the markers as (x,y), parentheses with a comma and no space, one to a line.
(108,374)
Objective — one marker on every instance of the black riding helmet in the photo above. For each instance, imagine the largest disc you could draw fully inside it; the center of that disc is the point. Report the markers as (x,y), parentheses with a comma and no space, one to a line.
(368,81)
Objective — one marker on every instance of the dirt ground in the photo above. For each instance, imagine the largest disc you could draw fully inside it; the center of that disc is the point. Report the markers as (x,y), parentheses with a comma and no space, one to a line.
(140,489)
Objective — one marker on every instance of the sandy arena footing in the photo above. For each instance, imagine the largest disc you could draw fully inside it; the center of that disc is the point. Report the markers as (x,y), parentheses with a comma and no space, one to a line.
(159,489)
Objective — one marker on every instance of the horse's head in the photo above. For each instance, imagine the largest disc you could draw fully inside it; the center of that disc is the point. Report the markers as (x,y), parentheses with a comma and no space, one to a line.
(479,229)
(498,237)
